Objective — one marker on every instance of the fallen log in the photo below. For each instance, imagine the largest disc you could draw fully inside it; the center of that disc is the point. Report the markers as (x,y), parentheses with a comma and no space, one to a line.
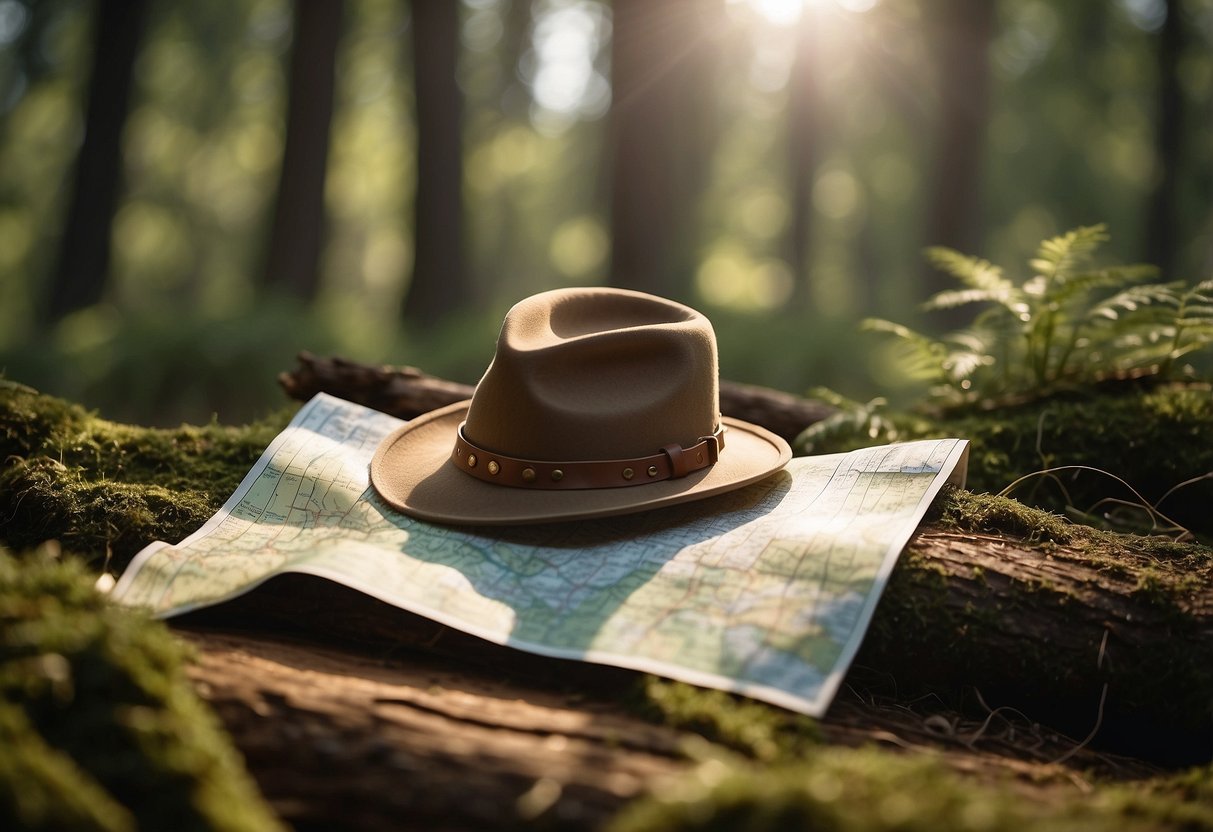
(1075,626)
(443,730)
(407,392)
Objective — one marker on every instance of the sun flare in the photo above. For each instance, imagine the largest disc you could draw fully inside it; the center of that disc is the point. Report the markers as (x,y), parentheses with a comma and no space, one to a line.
(785,13)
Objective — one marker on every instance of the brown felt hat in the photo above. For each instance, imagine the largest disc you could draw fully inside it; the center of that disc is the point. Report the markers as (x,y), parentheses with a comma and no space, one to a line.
(597,402)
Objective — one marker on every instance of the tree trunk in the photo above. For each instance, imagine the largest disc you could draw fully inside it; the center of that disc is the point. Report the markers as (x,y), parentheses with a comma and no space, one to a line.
(804,131)
(660,139)
(439,284)
(297,234)
(954,199)
(84,253)
(1162,218)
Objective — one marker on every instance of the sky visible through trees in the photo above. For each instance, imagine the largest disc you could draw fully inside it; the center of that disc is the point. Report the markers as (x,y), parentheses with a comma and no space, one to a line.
(778,163)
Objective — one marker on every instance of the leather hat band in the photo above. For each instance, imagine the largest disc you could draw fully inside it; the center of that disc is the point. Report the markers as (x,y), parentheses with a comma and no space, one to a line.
(671,462)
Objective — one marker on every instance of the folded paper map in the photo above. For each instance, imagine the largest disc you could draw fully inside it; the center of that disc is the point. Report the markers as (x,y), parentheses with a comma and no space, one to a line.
(766,591)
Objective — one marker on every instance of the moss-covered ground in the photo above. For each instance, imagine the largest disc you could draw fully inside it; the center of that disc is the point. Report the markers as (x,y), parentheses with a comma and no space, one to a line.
(100,731)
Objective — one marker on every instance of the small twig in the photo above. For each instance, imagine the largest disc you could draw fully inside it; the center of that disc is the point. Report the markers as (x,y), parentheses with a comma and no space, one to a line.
(1178,531)
(1048,471)
(1103,697)
(1174,488)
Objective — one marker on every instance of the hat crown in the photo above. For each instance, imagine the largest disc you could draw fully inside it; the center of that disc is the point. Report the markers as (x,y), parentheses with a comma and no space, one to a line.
(586,374)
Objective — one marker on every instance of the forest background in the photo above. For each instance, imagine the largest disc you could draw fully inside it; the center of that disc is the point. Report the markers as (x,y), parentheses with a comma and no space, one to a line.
(192,192)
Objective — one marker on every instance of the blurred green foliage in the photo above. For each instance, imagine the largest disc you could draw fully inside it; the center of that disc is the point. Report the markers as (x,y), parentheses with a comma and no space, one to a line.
(185,331)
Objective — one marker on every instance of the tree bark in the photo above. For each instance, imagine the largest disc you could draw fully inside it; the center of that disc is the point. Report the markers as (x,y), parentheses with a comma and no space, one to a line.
(84,253)
(297,235)
(804,131)
(423,721)
(439,284)
(1161,217)
(660,139)
(954,200)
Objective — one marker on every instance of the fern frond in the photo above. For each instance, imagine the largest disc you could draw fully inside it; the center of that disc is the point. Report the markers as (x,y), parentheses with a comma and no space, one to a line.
(1074,285)
(960,297)
(1066,252)
(984,280)
(1134,299)
(1196,328)
(1197,302)
(969,339)
(1135,272)
(923,357)
(894,329)
(1201,293)
(971,271)
(852,418)
(962,364)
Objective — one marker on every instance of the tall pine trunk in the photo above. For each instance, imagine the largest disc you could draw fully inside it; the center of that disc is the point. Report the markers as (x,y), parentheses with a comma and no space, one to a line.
(297,235)
(84,256)
(954,192)
(804,133)
(661,134)
(440,282)
(1161,216)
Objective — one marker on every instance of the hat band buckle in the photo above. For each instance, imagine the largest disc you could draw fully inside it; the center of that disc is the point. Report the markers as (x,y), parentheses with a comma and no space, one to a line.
(672,462)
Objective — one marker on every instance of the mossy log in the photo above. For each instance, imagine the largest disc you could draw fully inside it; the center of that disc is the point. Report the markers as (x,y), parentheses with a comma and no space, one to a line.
(1004,637)
(1042,622)
(1101,455)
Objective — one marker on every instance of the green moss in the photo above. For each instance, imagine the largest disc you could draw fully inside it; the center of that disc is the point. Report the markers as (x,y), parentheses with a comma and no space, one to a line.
(866,790)
(966,511)
(755,729)
(108,489)
(101,727)
(42,788)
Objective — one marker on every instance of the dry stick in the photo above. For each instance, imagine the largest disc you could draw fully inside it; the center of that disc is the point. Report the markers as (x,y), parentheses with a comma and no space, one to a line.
(1103,697)
(1180,532)
(407,392)
(1184,484)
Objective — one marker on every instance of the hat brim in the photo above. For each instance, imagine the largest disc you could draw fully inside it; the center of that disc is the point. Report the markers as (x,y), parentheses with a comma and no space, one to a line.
(413,472)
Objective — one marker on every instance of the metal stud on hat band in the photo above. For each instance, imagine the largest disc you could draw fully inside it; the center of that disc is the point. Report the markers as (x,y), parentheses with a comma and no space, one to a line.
(671,462)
